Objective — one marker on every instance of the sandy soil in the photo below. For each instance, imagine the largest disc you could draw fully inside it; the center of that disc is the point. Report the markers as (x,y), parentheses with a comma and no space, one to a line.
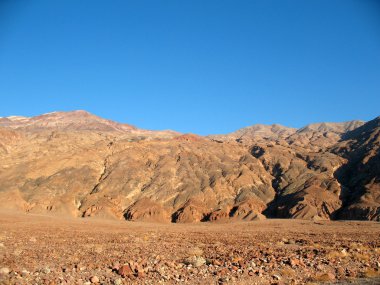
(50,250)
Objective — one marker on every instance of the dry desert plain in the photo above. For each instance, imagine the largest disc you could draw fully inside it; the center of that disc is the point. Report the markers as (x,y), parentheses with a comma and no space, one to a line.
(40,249)
(85,200)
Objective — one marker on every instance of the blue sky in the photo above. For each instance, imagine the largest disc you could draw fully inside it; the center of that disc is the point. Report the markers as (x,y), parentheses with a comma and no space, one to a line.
(201,66)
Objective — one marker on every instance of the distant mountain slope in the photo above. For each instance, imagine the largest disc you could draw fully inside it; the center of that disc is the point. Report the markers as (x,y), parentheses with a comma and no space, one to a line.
(78,164)
(361,175)
(338,128)
(74,121)
(257,132)
(313,136)
(319,136)
(274,132)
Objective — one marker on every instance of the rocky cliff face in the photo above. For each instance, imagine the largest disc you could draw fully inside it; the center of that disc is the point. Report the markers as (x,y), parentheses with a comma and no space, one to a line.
(81,165)
(360,177)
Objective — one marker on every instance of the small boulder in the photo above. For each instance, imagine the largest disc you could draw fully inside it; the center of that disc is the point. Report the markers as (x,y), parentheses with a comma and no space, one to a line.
(94,279)
(125,271)
(195,261)
(4,271)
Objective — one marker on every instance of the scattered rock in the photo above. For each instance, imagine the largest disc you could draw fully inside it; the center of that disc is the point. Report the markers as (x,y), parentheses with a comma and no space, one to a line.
(325,277)
(223,272)
(94,279)
(216,262)
(46,270)
(294,262)
(195,261)
(125,271)
(4,271)
(115,266)
(276,277)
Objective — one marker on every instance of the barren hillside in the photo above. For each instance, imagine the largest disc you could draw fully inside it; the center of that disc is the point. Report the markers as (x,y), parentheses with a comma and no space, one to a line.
(77,164)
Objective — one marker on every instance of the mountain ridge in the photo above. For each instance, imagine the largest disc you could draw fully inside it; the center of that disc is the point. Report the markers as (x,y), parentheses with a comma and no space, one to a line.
(17,121)
(78,164)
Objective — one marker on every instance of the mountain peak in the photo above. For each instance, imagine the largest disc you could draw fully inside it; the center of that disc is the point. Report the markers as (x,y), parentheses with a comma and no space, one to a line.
(78,120)
(339,128)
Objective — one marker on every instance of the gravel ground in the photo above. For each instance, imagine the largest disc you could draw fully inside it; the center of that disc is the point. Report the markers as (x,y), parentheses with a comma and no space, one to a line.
(50,250)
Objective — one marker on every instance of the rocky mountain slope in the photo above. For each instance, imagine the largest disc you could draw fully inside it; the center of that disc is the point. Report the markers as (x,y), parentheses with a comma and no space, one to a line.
(258,132)
(360,177)
(74,121)
(77,164)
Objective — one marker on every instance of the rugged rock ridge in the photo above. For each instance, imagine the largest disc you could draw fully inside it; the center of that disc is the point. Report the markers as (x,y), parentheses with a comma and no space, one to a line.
(259,131)
(81,165)
(361,175)
(338,128)
(74,121)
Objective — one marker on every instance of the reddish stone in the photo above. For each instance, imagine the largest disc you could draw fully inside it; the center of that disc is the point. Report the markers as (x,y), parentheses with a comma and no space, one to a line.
(351,273)
(125,271)
(140,274)
(223,272)
(216,262)
(115,266)
(341,271)
(294,262)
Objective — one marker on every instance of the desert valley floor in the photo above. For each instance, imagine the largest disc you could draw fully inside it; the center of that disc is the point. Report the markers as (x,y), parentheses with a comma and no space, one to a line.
(37,249)
(85,200)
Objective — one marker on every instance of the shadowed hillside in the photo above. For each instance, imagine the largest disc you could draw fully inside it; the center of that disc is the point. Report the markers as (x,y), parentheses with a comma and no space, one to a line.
(77,164)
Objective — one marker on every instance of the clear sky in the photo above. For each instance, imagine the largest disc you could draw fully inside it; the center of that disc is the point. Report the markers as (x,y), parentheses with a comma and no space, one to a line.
(201,66)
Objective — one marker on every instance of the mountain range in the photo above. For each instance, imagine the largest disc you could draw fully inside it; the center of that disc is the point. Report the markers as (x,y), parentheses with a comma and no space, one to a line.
(78,164)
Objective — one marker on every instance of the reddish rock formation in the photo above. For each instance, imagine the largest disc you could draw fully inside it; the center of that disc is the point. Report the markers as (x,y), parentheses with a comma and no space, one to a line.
(192,211)
(77,164)
(248,210)
(189,138)
(147,211)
